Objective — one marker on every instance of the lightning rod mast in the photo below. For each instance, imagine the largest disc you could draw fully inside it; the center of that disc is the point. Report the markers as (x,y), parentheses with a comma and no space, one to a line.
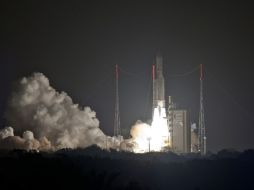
(117,129)
(201,129)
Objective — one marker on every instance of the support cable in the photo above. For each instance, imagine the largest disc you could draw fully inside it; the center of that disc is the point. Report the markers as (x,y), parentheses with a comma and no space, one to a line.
(184,74)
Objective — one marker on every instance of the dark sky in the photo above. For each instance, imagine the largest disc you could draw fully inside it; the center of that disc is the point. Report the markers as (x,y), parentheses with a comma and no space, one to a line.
(76,45)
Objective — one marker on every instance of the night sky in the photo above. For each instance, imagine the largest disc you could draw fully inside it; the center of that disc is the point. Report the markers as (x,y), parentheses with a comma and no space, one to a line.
(76,45)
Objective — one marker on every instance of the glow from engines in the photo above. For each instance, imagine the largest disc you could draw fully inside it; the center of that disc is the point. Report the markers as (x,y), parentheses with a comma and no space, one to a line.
(156,137)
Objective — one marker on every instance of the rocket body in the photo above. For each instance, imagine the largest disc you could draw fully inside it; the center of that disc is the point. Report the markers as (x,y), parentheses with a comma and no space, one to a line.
(158,84)
(160,135)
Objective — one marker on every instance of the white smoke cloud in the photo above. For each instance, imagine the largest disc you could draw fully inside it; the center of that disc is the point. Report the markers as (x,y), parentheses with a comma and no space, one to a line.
(38,111)
(9,141)
(6,132)
(141,134)
(140,130)
(28,135)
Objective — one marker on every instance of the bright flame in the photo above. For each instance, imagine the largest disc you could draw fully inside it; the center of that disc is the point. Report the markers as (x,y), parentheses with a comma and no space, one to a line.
(159,130)
(154,137)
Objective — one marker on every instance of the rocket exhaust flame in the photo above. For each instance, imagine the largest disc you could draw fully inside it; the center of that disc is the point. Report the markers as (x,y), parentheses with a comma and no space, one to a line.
(154,137)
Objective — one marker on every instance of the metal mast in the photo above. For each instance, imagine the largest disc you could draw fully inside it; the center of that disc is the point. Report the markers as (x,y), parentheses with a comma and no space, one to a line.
(117,129)
(201,130)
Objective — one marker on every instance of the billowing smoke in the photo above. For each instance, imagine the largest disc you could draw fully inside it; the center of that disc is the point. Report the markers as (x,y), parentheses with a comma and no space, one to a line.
(141,134)
(140,130)
(46,119)
(27,141)
(6,132)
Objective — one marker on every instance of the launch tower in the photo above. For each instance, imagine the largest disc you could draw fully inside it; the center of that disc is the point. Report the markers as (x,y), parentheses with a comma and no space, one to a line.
(201,129)
(117,129)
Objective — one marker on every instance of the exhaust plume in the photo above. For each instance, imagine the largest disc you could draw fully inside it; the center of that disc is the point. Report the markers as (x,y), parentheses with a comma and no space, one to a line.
(37,111)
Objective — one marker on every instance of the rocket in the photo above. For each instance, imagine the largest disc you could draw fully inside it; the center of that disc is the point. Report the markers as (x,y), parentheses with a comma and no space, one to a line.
(159,125)
(158,83)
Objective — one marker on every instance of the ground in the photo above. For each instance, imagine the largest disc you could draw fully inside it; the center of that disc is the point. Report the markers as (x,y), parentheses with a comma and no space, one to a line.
(93,168)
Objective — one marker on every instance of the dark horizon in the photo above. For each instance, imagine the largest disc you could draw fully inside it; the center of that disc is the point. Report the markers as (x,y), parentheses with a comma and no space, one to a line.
(76,45)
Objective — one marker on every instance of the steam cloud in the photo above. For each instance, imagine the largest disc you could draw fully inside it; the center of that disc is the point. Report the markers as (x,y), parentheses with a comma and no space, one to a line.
(47,119)
(140,130)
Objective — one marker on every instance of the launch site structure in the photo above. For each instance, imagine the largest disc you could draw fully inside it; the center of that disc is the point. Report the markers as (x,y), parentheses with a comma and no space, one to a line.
(117,128)
(201,128)
(179,126)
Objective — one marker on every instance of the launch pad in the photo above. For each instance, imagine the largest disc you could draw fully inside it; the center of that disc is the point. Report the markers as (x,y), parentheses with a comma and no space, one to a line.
(170,128)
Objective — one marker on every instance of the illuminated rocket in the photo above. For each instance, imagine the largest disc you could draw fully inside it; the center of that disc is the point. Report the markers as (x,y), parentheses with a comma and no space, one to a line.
(159,128)
(158,84)
(157,136)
